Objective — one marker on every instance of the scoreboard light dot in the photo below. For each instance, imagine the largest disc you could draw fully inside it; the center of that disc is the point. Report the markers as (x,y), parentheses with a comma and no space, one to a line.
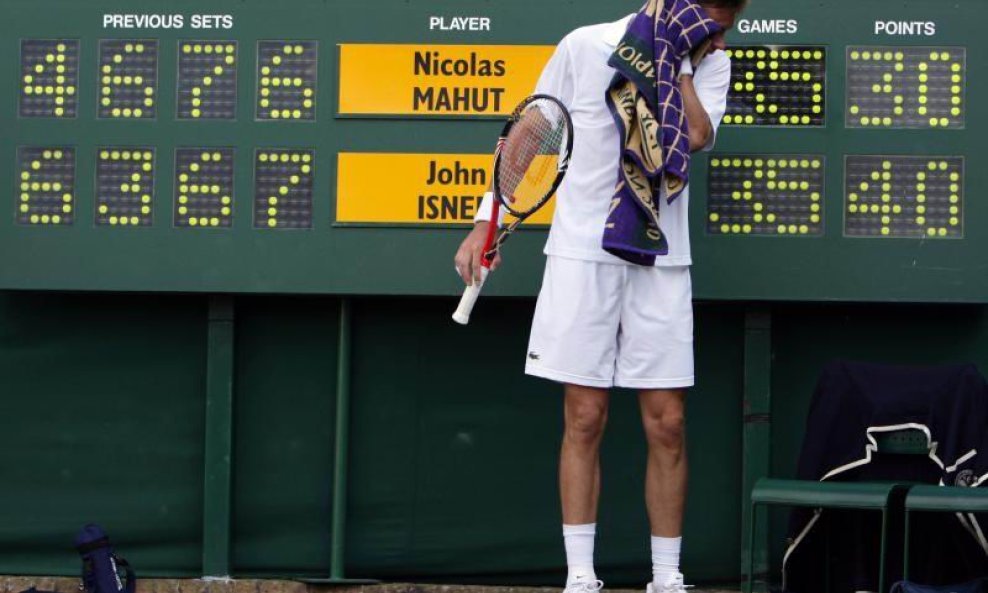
(193,221)
(225,211)
(953,221)
(24,208)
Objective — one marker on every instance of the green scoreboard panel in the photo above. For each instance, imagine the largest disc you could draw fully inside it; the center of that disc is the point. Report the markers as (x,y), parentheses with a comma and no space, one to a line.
(341,146)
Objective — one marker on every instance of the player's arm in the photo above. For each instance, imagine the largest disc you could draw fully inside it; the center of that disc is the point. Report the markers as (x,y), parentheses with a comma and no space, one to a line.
(699,122)
(705,97)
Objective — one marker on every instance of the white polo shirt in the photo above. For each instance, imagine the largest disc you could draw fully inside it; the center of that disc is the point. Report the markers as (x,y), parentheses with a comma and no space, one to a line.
(578,75)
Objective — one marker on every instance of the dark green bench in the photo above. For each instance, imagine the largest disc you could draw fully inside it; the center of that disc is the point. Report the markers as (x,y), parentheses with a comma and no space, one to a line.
(836,495)
(828,495)
(944,499)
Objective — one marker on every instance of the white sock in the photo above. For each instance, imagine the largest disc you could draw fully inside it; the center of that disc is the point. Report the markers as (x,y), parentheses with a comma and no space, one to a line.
(665,558)
(578,540)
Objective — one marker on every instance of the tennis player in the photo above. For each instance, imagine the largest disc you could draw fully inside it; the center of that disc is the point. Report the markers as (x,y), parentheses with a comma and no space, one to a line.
(615,310)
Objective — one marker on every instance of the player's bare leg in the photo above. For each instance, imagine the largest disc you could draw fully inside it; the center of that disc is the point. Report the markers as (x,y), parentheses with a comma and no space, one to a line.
(665,481)
(585,416)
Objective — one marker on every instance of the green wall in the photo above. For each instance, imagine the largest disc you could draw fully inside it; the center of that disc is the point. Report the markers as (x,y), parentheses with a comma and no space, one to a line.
(452,475)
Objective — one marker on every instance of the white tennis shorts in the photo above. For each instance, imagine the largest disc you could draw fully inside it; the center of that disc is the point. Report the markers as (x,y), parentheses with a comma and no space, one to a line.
(605,325)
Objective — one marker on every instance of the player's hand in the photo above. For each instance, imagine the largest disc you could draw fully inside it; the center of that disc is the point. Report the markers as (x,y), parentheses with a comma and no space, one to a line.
(471,251)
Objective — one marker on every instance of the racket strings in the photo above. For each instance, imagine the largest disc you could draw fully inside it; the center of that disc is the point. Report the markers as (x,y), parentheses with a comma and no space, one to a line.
(530,155)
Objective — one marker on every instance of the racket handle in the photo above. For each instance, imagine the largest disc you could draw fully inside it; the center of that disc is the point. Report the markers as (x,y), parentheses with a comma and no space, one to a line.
(470,294)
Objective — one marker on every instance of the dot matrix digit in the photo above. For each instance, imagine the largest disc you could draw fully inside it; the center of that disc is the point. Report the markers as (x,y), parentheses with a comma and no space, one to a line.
(906,87)
(779,195)
(128,77)
(777,86)
(124,185)
(904,196)
(204,187)
(46,185)
(49,78)
(207,79)
(286,80)
(283,188)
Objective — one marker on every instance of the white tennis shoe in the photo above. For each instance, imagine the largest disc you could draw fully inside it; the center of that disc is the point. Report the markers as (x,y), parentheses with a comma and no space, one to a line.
(584,586)
(673,584)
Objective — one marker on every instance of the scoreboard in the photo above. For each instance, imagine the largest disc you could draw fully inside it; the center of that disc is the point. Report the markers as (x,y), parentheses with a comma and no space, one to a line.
(342,146)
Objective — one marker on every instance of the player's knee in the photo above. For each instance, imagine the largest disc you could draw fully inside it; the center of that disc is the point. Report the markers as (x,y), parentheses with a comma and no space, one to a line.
(666,429)
(585,422)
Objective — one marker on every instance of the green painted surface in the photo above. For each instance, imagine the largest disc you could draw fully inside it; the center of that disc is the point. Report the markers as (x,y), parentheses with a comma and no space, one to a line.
(101,420)
(218,478)
(244,259)
(284,406)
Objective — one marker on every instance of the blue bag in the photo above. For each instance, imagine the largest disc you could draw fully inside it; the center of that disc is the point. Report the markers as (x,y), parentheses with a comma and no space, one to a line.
(100,566)
(976,586)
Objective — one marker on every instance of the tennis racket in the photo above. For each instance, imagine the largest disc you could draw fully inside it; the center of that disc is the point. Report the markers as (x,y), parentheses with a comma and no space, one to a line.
(530,160)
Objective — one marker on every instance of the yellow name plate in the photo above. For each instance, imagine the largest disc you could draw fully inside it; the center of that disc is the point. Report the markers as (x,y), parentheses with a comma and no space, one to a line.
(443,80)
(383,188)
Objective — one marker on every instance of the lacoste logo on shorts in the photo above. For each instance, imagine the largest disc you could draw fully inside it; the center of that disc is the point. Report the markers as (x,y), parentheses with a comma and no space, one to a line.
(533,355)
